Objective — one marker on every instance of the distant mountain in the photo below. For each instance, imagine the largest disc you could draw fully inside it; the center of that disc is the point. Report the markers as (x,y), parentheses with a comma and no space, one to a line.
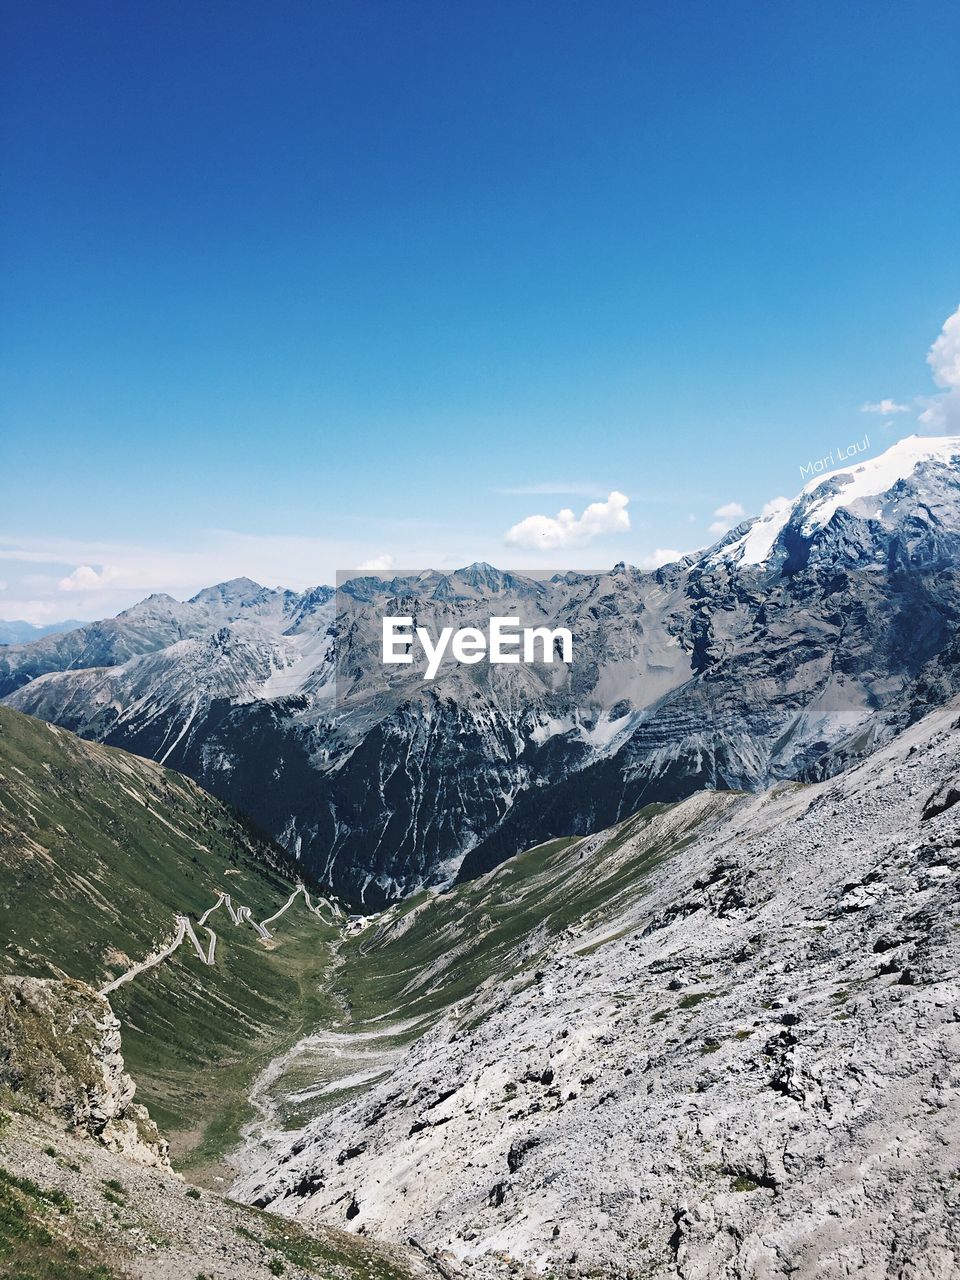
(153,624)
(794,646)
(17,632)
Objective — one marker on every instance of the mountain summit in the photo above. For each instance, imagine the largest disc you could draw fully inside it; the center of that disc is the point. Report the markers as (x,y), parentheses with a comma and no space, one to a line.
(918,466)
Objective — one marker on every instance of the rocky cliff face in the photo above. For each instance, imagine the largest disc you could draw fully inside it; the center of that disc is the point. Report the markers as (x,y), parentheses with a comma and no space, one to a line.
(746,1070)
(793,648)
(60,1059)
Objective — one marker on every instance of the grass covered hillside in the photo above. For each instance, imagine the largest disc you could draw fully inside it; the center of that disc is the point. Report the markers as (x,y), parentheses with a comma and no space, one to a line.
(99,850)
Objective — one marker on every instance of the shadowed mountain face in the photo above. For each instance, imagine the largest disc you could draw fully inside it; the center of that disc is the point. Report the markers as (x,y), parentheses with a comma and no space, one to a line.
(799,643)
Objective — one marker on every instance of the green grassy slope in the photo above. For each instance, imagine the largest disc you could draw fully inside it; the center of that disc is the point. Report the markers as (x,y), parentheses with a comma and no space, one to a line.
(98,850)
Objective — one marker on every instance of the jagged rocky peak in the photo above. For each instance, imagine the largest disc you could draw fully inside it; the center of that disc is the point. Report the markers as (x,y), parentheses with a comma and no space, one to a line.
(482,577)
(155,600)
(236,592)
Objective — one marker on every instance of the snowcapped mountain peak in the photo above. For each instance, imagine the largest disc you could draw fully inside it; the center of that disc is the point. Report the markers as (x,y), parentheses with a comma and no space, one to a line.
(858,488)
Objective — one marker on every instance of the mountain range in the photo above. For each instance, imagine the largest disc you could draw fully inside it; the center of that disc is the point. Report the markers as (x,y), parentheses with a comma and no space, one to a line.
(16,631)
(797,645)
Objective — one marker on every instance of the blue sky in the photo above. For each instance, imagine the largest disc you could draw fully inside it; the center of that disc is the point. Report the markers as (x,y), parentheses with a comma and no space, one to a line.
(292,291)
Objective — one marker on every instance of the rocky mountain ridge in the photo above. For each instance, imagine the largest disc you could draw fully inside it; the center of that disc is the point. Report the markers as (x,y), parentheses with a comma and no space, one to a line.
(798,644)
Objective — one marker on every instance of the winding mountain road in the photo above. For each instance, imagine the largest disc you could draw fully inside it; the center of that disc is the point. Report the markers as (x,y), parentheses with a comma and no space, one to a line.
(238,915)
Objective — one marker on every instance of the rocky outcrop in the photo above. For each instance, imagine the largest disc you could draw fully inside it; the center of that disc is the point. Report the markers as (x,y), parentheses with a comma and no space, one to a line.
(60,1059)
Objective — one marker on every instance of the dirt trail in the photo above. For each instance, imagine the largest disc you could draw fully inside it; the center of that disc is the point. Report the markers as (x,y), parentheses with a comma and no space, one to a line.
(238,915)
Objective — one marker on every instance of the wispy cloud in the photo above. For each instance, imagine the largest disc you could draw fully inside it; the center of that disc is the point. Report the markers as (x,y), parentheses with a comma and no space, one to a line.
(773,506)
(565,529)
(885,407)
(98,578)
(86,578)
(659,557)
(377,564)
(726,517)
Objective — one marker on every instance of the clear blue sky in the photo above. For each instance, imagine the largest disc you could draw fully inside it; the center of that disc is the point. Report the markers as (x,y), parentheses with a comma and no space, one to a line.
(327,278)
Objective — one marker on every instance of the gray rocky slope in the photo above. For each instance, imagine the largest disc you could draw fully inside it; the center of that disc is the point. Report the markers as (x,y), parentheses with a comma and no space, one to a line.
(749,1071)
(798,644)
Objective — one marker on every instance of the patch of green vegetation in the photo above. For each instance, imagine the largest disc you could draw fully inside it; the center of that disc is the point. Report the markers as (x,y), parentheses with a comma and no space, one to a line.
(112,1191)
(696,997)
(327,1251)
(52,1197)
(744,1183)
(31,1246)
(193,1193)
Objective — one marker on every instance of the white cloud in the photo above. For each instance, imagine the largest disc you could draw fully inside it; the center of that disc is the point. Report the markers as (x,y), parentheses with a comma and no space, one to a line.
(943,411)
(727,516)
(885,407)
(86,578)
(378,564)
(549,533)
(660,556)
(774,505)
(944,356)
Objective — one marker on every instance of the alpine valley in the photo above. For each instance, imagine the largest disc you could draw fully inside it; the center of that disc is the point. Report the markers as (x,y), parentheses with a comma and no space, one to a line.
(646,968)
